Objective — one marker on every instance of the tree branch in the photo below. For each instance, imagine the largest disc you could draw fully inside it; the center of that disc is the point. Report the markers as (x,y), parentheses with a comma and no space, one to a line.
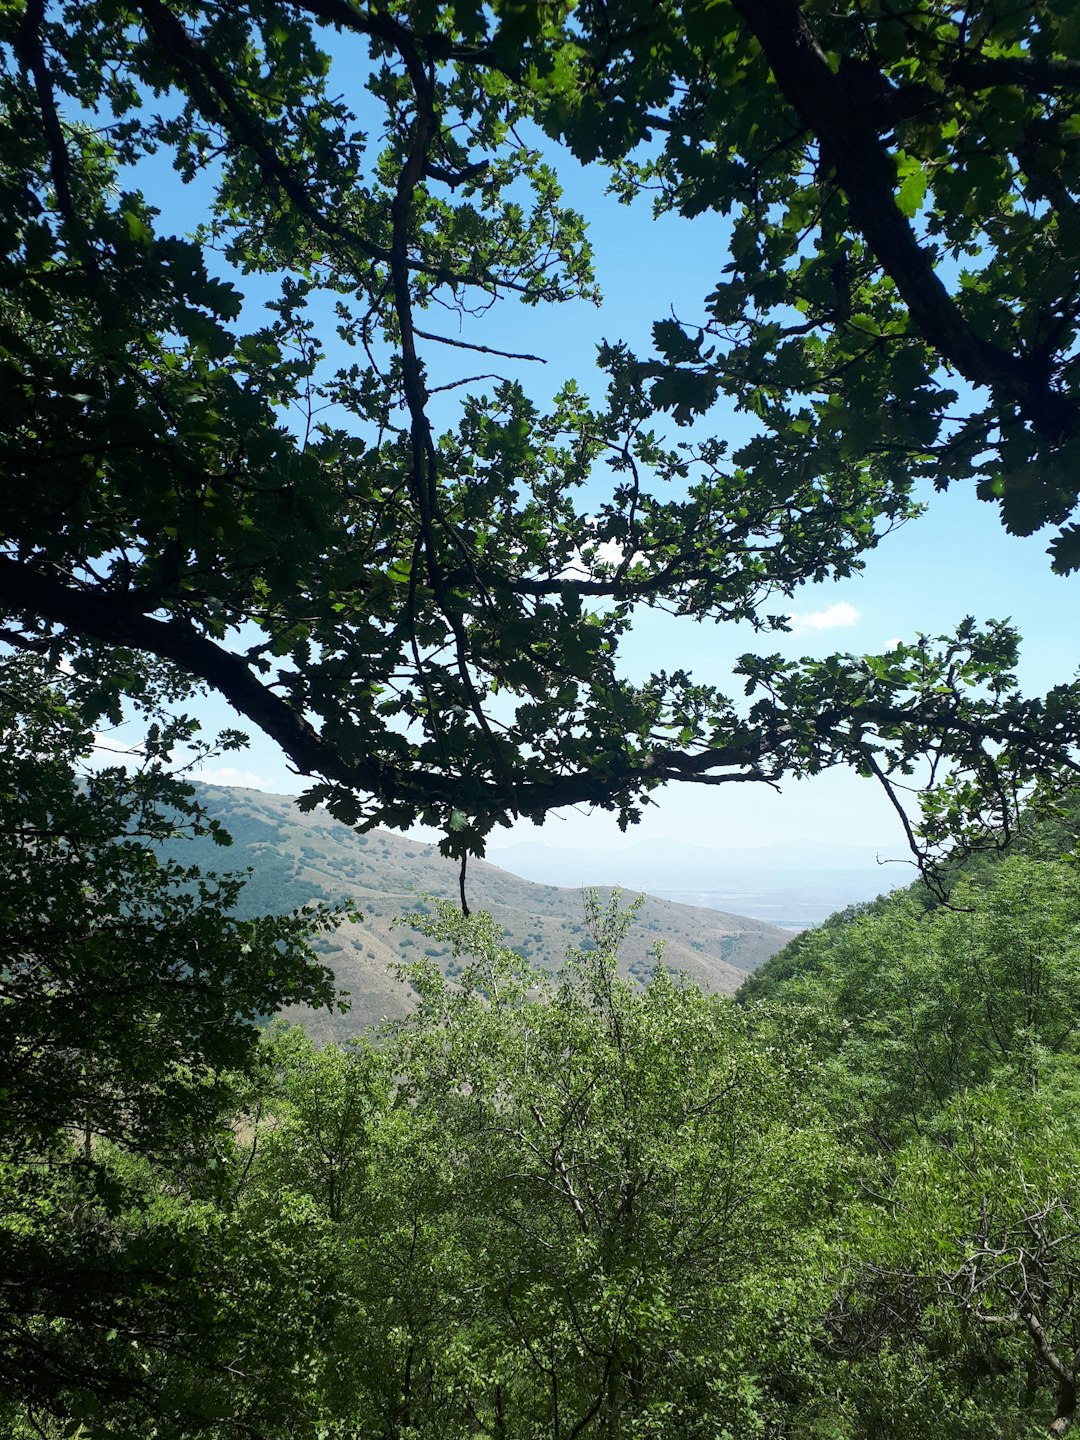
(866,172)
(482,349)
(387,28)
(1039,77)
(116,618)
(113,619)
(32,54)
(218,100)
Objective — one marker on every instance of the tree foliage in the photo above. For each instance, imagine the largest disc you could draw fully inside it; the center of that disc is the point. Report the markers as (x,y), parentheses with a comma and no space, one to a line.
(438,636)
(130,1000)
(947,1039)
(570,1207)
(900,295)
(574,1205)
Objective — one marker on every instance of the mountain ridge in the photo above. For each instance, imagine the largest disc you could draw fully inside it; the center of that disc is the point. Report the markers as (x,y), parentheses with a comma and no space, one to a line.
(298,858)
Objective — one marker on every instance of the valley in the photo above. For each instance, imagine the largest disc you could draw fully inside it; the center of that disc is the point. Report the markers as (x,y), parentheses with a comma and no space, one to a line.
(297,859)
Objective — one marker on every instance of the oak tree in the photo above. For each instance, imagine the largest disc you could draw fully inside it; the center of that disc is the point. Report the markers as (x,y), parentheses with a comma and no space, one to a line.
(900,296)
(428,623)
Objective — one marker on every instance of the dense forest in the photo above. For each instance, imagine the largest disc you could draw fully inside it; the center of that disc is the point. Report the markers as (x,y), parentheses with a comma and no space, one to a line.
(843,1203)
(247,252)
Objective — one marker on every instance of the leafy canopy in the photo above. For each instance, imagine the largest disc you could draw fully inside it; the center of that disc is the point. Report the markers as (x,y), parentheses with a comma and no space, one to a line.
(900,296)
(429,623)
(130,1002)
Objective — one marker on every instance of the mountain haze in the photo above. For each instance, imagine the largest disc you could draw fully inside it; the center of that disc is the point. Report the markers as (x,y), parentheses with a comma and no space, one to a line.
(792,885)
(297,858)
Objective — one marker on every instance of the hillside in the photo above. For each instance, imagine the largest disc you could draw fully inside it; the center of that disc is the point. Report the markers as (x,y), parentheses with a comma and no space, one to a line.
(1046,833)
(297,858)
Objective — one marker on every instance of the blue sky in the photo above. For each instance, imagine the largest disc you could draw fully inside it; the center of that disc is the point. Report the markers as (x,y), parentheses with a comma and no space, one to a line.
(956,560)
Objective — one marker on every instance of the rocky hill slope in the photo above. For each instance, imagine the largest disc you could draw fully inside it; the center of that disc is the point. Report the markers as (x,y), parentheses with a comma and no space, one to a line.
(297,858)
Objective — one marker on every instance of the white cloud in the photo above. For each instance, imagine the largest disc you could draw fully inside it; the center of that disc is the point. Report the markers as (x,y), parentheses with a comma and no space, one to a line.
(894,643)
(110,750)
(610,553)
(837,617)
(229,775)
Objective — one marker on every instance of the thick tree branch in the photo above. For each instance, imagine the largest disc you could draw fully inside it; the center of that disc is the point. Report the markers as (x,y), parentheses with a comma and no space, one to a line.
(1038,77)
(1047,1353)
(32,54)
(112,618)
(866,172)
(392,32)
(749,753)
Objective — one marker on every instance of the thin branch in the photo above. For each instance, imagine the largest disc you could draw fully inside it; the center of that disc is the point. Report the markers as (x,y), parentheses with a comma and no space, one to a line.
(466,380)
(480,349)
(218,101)
(461,886)
(894,800)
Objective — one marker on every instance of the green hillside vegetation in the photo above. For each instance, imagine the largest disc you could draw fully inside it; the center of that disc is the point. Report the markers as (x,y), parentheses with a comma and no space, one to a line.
(553,1205)
(542,1201)
(296,858)
(1049,834)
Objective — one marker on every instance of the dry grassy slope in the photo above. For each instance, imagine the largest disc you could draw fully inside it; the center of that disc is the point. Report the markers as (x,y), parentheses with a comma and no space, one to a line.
(297,858)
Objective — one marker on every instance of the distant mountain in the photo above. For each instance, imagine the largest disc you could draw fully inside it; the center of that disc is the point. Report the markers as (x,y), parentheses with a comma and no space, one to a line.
(678,858)
(298,858)
(791,885)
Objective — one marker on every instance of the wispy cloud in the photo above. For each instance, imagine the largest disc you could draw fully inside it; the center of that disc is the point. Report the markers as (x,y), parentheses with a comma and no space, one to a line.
(229,775)
(837,617)
(110,750)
